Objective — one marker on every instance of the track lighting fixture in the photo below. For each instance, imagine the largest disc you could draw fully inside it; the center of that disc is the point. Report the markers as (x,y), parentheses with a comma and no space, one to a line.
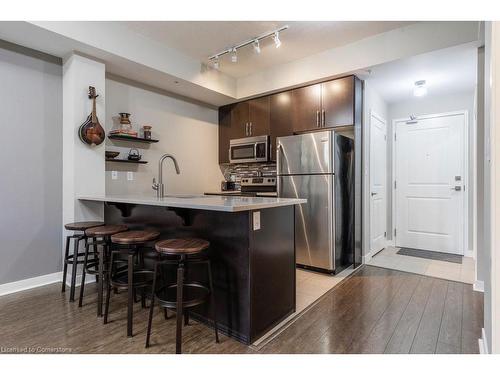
(255,42)
(277,40)
(256,45)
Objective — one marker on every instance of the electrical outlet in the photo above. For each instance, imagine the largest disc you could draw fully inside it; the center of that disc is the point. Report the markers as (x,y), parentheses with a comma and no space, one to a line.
(114,175)
(130,176)
(256,220)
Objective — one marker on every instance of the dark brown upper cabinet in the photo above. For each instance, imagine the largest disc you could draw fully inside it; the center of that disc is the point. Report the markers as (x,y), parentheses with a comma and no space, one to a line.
(324,105)
(281,118)
(337,102)
(306,107)
(239,120)
(258,116)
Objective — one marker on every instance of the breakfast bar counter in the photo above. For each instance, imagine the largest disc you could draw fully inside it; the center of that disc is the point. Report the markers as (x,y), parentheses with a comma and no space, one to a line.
(252,251)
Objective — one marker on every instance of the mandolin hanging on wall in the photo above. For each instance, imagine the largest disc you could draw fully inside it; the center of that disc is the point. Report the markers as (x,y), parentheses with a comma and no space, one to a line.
(91,132)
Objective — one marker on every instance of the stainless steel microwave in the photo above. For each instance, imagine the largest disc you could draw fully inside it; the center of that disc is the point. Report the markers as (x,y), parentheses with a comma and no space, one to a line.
(249,150)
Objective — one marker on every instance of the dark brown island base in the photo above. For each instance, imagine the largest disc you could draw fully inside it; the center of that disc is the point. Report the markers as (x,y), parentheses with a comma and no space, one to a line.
(252,252)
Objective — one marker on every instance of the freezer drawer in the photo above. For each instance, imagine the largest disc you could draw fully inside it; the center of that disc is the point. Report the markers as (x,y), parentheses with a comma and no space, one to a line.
(309,153)
(314,219)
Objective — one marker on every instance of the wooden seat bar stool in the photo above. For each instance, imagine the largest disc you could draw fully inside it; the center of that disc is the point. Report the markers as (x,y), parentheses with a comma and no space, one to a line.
(184,294)
(76,258)
(128,276)
(98,266)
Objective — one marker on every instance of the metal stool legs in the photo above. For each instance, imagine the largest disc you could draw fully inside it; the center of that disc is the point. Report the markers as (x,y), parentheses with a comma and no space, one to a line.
(178,309)
(65,269)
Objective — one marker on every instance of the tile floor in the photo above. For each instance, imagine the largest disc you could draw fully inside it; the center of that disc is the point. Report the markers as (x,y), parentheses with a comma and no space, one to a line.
(388,258)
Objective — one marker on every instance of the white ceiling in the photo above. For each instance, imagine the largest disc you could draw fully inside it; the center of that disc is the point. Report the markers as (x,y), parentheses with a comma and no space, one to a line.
(304,38)
(445,71)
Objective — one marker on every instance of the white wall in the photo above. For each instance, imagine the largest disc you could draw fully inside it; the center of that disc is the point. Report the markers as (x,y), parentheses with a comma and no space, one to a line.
(372,102)
(436,104)
(186,130)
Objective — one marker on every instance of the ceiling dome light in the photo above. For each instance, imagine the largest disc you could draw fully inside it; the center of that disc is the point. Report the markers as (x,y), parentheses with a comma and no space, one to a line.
(234,56)
(277,40)
(420,89)
(256,46)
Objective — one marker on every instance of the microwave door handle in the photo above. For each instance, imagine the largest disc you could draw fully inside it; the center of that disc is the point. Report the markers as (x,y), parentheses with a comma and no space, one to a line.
(255,150)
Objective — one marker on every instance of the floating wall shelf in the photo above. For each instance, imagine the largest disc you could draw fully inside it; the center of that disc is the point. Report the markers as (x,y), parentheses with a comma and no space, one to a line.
(131,139)
(127,161)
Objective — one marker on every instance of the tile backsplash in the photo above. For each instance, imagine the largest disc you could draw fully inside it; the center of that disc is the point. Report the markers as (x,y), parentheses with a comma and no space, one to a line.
(234,172)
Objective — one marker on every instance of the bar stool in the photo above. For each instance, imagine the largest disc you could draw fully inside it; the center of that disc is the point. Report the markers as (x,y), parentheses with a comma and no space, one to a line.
(98,265)
(183,294)
(128,277)
(80,226)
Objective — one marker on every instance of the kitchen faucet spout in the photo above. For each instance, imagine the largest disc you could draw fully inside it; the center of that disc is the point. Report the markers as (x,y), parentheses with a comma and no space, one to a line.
(159,186)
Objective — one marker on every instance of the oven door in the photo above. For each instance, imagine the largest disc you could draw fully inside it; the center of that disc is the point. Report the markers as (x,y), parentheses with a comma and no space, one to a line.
(249,152)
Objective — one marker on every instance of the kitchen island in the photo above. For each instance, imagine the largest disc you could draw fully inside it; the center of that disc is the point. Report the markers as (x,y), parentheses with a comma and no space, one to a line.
(252,251)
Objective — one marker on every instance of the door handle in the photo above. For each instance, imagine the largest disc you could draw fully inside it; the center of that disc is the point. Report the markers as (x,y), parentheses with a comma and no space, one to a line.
(456,188)
(251,127)
(323,117)
(246,129)
(317,119)
(374,194)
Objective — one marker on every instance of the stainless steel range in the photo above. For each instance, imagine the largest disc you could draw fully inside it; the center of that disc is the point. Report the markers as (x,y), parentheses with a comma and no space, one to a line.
(258,184)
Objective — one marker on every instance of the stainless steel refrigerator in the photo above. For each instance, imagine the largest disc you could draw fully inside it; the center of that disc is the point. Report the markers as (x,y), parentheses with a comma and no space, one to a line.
(319,166)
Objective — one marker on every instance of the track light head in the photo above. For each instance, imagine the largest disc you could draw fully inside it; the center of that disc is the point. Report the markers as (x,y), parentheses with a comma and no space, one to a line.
(216,62)
(234,56)
(256,46)
(276,39)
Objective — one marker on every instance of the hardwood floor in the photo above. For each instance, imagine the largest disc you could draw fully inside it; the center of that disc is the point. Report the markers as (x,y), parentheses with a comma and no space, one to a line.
(376,310)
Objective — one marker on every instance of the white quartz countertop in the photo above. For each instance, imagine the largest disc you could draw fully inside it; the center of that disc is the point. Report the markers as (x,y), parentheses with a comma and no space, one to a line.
(199,202)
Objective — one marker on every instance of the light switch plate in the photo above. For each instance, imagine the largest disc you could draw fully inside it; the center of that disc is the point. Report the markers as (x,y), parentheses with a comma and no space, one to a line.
(256,220)
(114,175)
(130,176)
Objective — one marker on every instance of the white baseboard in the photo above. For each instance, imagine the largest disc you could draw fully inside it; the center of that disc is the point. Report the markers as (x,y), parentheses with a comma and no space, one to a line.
(469,253)
(89,279)
(33,282)
(483,343)
(478,286)
(366,258)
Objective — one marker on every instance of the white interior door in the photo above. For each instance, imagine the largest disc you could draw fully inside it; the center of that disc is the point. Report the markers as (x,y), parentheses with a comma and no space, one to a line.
(430,175)
(378,183)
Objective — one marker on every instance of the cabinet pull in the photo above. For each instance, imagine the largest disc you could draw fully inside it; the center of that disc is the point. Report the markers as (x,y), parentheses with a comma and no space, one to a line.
(317,119)
(246,129)
(251,128)
(323,119)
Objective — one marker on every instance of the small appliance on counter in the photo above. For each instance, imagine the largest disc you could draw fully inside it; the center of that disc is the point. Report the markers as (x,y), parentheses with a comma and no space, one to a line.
(227,186)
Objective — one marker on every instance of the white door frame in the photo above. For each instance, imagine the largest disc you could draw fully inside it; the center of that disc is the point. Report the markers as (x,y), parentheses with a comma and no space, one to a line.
(465,223)
(381,119)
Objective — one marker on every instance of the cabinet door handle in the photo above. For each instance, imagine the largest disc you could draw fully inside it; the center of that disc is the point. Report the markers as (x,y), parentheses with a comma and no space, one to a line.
(323,119)
(246,129)
(251,128)
(317,119)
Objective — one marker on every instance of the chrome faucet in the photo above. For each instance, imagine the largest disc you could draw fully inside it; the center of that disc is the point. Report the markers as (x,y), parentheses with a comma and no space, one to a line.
(158,186)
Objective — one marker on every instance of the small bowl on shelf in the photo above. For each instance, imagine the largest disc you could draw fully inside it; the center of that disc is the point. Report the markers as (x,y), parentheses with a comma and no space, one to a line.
(112,154)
